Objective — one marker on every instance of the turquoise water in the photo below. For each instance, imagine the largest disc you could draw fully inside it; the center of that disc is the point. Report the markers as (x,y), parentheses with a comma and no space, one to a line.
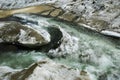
(20,59)
(97,53)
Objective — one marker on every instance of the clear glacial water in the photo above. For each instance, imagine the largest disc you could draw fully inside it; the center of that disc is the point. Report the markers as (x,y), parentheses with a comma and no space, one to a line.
(97,54)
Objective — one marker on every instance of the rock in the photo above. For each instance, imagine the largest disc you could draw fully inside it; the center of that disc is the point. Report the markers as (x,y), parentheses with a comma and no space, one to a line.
(110,33)
(84,75)
(67,45)
(16,4)
(61,43)
(16,33)
(67,16)
(47,70)
(37,9)
(56,12)
(5,70)
(98,14)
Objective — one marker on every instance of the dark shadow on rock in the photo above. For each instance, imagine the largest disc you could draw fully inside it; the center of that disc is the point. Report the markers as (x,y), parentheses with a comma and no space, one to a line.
(56,36)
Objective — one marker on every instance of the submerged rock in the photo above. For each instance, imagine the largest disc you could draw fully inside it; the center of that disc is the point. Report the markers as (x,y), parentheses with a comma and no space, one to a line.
(16,33)
(45,70)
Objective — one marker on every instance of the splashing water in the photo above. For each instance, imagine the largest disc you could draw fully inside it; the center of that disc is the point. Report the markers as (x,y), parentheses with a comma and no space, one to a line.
(97,54)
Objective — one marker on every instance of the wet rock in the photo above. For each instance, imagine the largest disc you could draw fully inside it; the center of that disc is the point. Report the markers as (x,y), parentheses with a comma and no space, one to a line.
(84,75)
(67,45)
(46,70)
(5,69)
(110,33)
(16,33)
(56,36)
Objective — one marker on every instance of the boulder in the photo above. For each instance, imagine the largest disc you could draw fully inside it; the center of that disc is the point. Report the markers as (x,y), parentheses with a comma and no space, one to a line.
(16,33)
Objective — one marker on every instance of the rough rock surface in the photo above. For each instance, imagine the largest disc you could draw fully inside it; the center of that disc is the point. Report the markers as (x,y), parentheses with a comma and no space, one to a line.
(99,15)
(44,70)
(16,33)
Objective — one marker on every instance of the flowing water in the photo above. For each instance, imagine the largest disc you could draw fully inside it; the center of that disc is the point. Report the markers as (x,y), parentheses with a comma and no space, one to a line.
(97,54)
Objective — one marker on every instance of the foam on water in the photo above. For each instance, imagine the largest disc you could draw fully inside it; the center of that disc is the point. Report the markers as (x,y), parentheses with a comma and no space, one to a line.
(97,54)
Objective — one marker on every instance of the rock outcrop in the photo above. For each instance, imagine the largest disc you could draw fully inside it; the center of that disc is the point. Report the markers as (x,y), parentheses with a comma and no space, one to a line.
(101,16)
(44,70)
(16,33)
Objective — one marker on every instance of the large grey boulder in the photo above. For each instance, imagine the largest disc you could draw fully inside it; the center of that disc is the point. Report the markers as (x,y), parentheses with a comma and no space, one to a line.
(16,33)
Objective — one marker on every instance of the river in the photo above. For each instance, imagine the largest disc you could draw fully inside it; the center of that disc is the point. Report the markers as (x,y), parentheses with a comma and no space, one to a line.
(97,54)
